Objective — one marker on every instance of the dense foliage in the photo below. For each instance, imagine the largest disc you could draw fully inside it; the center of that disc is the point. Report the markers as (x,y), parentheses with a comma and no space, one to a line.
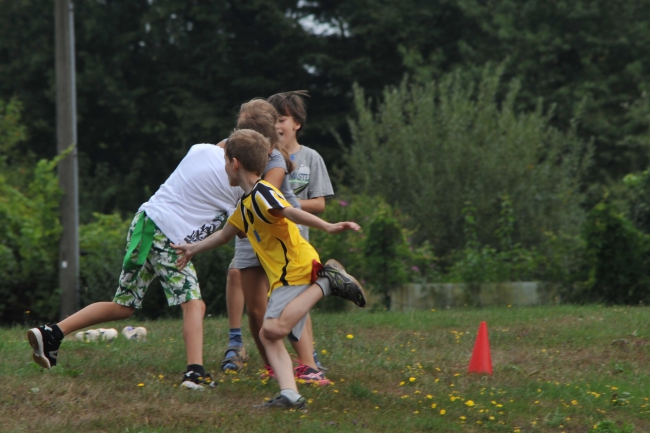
(382,255)
(29,225)
(617,259)
(431,148)
(156,76)
(495,169)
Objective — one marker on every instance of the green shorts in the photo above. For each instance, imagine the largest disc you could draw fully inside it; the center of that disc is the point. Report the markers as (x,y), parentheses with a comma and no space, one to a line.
(179,286)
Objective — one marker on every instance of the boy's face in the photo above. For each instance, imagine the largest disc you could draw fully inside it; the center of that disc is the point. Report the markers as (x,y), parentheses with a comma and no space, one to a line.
(230,171)
(287,127)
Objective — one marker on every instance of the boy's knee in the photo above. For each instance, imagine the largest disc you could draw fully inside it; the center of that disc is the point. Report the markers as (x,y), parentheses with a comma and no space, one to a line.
(124,311)
(272,331)
(194,306)
(256,313)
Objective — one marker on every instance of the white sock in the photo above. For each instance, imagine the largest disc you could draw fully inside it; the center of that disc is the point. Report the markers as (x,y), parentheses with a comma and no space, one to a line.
(324,285)
(292,395)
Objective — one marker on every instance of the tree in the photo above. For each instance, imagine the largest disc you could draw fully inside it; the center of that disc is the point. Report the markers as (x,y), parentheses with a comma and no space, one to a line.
(430,148)
(29,226)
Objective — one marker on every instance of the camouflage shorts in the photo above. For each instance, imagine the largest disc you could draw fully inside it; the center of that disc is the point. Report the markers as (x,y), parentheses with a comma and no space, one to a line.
(179,286)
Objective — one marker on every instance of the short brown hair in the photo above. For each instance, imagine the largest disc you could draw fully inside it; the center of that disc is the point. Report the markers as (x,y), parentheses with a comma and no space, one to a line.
(260,116)
(291,104)
(250,148)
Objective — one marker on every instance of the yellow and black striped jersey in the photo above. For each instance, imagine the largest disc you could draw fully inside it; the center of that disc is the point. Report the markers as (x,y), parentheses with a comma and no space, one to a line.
(285,255)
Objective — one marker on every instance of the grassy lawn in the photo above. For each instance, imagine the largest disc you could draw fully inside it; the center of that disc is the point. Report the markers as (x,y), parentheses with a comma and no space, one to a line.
(556,369)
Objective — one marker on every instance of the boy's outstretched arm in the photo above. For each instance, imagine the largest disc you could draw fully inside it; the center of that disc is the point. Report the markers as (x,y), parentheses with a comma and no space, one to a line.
(299,216)
(216,239)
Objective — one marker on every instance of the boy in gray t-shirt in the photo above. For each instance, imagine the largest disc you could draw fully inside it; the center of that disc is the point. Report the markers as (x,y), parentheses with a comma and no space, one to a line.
(309,178)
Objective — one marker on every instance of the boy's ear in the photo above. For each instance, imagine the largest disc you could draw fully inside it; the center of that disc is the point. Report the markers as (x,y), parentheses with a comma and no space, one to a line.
(236,164)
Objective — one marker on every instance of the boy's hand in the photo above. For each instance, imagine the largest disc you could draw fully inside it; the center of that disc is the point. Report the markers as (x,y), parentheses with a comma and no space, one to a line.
(185,253)
(343,226)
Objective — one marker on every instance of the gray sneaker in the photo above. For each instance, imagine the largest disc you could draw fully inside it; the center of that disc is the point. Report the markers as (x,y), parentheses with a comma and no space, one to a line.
(283,402)
(343,284)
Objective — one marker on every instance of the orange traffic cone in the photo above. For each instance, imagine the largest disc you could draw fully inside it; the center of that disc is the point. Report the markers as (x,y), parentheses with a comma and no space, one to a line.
(481,361)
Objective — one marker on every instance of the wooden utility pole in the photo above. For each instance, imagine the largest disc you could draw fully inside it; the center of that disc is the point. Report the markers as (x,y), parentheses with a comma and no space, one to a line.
(66,135)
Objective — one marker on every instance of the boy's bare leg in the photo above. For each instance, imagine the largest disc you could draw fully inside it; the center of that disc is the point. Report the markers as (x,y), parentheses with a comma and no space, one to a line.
(279,358)
(193,312)
(234,298)
(94,314)
(305,346)
(256,288)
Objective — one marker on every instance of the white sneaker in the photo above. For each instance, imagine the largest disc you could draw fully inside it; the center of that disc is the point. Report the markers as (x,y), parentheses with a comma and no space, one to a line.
(138,334)
(92,335)
(108,334)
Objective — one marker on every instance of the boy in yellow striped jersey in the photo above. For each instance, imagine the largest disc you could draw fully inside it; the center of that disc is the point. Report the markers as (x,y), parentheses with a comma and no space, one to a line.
(296,277)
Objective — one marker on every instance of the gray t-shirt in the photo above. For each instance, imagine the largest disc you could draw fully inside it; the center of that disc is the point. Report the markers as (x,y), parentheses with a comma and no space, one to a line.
(245,257)
(309,178)
(276,159)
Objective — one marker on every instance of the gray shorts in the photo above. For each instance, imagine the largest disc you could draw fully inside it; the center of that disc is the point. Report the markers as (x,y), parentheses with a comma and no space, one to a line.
(279,299)
(245,256)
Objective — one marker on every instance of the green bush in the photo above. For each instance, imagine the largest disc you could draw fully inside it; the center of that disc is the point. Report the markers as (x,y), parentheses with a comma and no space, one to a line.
(101,244)
(30,233)
(478,263)
(558,259)
(29,226)
(637,191)
(429,148)
(617,256)
(381,256)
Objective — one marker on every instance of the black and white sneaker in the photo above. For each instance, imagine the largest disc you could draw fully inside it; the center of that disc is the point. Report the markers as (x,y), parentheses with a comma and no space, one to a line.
(45,346)
(194,380)
(343,284)
(283,402)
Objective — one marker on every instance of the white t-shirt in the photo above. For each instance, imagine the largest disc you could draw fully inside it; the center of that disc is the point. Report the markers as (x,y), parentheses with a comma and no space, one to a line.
(197,197)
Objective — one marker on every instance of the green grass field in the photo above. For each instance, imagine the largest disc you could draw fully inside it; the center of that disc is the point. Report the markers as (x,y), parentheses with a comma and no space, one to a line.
(556,369)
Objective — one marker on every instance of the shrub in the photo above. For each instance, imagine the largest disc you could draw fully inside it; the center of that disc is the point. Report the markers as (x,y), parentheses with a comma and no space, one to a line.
(101,245)
(381,255)
(29,226)
(430,148)
(558,259)
(617,257)
(637,189)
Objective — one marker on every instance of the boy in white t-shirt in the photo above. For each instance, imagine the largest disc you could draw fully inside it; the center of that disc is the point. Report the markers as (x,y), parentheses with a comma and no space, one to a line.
(188,207)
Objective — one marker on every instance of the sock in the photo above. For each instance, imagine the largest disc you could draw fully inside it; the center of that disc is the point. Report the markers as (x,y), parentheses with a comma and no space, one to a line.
(324,285)
(234,339)
(292,395)
(197,368)
(57,333)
